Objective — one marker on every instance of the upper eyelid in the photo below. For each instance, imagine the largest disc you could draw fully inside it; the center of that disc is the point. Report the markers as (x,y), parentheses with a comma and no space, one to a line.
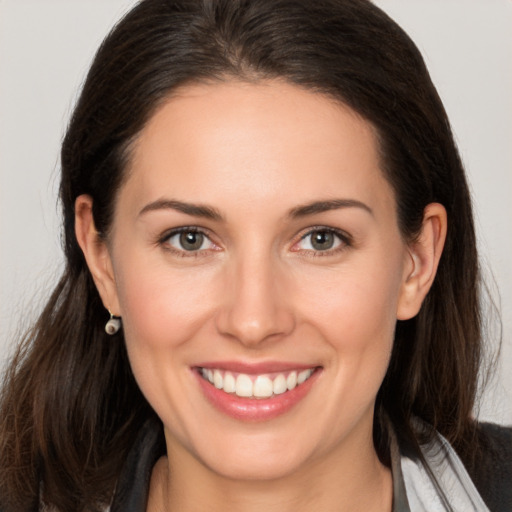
(183,229)
(338,232)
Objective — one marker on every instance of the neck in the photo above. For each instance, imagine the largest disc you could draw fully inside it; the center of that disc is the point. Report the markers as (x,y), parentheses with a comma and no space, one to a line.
(350,478)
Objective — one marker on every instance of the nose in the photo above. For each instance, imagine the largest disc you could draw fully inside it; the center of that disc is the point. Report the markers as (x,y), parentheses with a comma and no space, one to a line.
(255,305)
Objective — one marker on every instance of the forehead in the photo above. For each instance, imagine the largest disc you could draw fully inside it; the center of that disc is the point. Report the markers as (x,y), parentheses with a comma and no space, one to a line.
(269,141)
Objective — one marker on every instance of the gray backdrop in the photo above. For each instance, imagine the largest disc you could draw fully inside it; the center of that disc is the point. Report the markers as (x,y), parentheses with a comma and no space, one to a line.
(45,49)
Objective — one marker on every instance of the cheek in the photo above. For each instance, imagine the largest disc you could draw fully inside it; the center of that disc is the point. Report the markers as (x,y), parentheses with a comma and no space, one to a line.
(162,311)
(162,307)
(354,308)
(355,313)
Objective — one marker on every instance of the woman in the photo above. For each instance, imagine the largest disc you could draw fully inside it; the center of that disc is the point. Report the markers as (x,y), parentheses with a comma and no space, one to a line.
(265,304)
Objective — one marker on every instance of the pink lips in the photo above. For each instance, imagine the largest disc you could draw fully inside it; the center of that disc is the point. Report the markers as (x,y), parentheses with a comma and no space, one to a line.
(254,409)
(254,368)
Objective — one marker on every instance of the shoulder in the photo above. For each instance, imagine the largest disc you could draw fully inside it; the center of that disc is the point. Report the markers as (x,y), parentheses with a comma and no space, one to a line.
(491,465)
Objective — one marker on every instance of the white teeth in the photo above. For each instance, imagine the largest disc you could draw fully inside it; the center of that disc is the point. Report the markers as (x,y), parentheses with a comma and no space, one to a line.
(263,387)
(303,376)
(243,386)
(280,384)
(291,380)
(218,381)
(229,383)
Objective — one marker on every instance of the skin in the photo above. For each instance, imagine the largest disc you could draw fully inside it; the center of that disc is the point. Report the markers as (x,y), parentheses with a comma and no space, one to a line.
(257,290)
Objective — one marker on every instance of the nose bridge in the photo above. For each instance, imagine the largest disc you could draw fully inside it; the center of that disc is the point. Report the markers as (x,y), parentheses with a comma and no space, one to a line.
(255,306)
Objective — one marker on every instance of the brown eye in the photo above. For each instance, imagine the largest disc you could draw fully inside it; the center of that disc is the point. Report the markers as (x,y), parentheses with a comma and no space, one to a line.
(322,240)
(191,240)
(188,240)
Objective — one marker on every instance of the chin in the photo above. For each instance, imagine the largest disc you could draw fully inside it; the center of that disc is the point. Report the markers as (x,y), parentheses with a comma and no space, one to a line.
(258,455)
(256,466)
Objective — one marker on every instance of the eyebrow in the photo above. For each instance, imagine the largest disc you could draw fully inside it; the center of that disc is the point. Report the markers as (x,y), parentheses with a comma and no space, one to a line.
(196,210)
(324,206)
(208,212)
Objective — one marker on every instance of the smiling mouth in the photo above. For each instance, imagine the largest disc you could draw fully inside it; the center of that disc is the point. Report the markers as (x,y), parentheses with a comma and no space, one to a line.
(260,386)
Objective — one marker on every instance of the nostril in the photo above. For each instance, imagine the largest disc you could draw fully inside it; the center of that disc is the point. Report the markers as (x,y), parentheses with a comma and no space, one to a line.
(252,330)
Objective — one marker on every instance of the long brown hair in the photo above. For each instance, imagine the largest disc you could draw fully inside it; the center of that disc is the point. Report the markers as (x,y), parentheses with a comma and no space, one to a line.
(70,407)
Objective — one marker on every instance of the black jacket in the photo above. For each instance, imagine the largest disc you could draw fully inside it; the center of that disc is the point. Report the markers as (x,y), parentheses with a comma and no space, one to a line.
(491,471)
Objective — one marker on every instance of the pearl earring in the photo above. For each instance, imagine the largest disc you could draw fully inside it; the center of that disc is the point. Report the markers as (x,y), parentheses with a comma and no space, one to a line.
(113,325)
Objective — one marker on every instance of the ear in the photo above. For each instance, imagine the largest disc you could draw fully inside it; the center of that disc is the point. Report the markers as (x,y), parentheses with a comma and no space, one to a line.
(424,254)
(96,254)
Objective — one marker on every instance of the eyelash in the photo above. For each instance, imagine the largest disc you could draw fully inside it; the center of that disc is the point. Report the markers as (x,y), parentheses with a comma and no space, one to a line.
(164,241)
(345,241)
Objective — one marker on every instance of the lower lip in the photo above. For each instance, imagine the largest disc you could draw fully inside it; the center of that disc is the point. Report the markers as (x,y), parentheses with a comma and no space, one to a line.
(255,409)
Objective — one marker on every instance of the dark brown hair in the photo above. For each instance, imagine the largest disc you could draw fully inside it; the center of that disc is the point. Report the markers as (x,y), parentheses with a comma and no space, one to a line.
(70,406)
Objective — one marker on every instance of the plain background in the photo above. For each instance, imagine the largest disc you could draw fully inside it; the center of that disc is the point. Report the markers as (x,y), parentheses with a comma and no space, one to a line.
(47,45)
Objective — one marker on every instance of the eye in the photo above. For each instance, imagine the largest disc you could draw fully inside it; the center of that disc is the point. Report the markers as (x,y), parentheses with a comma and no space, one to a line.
(321,240)
(188,240)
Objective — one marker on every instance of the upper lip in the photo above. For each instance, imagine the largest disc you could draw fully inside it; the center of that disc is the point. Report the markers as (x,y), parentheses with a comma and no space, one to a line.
(255,367)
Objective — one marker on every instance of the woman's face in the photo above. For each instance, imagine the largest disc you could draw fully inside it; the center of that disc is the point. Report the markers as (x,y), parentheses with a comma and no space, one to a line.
(255,245)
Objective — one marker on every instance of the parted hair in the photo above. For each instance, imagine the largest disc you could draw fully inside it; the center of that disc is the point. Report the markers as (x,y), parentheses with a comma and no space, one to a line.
(70,407)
